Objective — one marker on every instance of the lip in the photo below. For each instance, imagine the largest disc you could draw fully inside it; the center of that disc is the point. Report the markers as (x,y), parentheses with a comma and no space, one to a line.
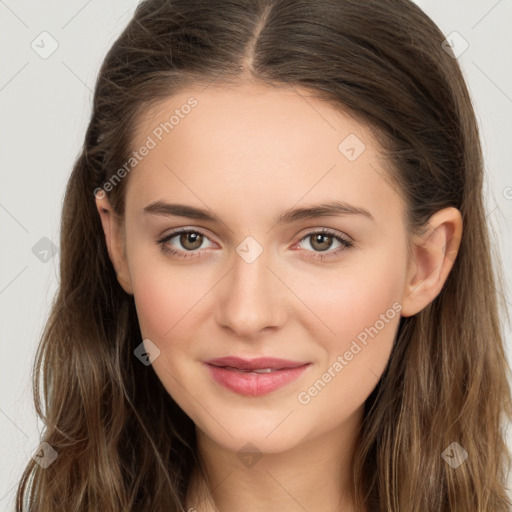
(236,374)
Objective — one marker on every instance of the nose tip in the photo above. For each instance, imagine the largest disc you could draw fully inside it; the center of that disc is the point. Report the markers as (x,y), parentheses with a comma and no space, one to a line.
(250,300)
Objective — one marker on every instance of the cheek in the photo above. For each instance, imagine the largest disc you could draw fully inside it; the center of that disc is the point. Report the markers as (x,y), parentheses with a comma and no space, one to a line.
(365,325)
(163,299)
(362,309)
(350,300)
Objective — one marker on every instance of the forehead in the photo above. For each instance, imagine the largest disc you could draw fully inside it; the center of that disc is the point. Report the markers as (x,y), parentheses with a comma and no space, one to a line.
(267,144)
(247,116)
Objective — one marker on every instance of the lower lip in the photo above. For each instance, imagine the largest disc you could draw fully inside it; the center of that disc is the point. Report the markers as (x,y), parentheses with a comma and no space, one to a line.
(254,384)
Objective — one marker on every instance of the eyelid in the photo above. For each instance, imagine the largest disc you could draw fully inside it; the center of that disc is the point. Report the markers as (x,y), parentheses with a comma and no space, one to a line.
(185,229)
(326,231)
(307,232)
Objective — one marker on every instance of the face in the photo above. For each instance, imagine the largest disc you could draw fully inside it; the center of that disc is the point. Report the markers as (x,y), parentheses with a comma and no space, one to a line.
(322,291)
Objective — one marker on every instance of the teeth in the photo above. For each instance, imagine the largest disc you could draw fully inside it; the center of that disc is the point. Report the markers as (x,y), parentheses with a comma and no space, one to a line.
(258,370)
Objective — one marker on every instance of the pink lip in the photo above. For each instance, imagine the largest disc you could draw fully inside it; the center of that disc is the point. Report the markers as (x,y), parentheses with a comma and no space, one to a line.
(235,374)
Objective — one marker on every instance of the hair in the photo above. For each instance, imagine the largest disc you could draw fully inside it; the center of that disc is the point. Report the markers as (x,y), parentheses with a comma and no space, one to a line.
(123,444)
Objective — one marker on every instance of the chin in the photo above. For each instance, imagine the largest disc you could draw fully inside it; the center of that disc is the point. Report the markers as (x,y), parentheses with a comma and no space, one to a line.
(262,436)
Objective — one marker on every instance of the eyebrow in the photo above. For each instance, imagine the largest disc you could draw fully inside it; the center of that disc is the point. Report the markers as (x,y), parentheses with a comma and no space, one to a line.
(333,208)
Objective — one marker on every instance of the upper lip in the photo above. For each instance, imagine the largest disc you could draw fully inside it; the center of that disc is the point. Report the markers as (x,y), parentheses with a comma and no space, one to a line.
(255,364)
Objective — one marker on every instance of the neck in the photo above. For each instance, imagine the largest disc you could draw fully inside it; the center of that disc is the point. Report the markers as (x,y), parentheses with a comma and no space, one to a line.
(313,476)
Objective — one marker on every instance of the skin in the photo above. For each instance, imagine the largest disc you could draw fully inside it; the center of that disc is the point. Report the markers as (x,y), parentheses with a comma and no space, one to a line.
(248,153)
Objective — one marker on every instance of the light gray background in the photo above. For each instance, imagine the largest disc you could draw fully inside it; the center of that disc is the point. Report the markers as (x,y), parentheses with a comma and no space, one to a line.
(45,106)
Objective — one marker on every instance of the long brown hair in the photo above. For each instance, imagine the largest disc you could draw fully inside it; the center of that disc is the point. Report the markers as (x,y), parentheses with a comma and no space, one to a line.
(122,442)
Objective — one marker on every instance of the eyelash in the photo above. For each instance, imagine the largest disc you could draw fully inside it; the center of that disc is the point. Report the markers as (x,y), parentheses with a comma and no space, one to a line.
(345,244)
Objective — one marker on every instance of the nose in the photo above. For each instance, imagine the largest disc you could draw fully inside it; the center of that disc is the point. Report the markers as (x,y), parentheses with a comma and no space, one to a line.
(251,298)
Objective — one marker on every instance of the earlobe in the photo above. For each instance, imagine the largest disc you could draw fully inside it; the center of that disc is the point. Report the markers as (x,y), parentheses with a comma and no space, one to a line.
(114,242)
(433,254)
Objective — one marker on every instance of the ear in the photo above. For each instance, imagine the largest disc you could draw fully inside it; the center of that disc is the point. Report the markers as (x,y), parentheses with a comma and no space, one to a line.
(432,257)
(115,241)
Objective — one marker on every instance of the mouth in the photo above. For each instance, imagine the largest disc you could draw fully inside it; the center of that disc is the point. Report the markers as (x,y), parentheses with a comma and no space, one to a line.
(255,377)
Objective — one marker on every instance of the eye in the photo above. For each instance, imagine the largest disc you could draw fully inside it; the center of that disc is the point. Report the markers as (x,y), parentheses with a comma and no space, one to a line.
(190,240)
(321,241)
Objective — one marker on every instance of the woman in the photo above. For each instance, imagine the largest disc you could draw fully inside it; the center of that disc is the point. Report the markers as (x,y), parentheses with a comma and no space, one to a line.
(276,280)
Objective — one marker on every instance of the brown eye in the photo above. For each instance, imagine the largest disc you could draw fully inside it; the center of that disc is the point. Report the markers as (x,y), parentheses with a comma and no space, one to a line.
(321,241)
(191,240)
(324,244)
(182,243)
